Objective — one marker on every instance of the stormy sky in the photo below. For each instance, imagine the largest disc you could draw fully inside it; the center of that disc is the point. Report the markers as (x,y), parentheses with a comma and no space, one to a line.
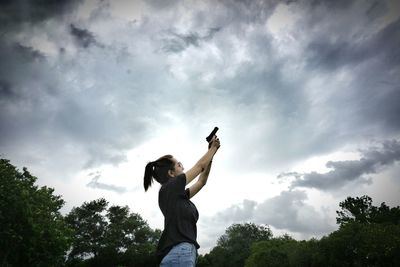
(306,95)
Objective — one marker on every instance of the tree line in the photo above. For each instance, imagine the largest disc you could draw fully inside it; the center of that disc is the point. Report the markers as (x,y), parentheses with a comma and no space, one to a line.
(33,232)
(367,236)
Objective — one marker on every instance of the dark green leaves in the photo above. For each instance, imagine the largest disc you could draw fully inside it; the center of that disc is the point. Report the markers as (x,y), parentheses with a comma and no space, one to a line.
(32,232)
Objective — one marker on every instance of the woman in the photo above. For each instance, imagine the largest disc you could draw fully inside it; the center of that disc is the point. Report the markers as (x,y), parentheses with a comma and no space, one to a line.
(178,245)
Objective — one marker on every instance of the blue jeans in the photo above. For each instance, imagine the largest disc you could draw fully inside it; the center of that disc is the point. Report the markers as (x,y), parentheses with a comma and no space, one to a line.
(182,255)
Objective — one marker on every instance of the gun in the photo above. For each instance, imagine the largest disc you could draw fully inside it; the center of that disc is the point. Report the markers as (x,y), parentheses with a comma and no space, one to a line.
(211,135)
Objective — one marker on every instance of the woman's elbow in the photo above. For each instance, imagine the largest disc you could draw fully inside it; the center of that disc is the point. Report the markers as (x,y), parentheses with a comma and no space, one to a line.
(202,182)
(201,166)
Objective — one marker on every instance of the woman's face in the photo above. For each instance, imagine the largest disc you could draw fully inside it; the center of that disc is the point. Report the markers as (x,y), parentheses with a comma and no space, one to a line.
(178,168)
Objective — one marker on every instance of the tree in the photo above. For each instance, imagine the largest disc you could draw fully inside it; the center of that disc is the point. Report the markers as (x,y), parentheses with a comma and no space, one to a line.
(385,214)
(110,237)
(361,210)
(233,247)
(89,227)
(131,237)
(368,235)
(270,253)
(357,244)
(282,251)
(32,232)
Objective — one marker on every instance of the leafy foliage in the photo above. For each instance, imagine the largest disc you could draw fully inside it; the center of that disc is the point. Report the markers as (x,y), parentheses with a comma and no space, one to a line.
(359,244)
(234,246)
(282,251)
(361,210)
(106,237)
(32,232)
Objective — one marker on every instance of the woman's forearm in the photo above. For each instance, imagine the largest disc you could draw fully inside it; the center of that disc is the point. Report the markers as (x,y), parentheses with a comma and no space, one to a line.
(205,160)
(204,175)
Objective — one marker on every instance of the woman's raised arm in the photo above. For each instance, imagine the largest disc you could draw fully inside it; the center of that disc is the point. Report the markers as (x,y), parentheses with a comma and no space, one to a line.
(199,184)
(203,162)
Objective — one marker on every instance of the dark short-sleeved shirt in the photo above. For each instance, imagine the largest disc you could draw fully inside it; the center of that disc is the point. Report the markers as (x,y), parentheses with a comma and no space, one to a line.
(180,215)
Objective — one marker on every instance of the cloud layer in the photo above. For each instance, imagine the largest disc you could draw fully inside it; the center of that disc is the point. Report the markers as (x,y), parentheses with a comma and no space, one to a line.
(288,88)
(343,173)
(287,212)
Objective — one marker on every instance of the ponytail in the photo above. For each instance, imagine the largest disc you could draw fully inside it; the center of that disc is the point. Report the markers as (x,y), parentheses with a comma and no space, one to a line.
(158,170)
(148,175)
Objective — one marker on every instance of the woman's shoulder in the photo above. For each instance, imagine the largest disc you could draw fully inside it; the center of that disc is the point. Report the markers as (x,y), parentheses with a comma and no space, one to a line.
(177,183)
(180,179)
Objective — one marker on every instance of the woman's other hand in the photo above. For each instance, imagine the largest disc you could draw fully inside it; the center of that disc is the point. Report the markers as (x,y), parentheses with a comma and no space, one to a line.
(215,142)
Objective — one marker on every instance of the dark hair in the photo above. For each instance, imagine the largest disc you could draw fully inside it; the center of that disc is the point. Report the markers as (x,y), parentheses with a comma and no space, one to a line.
(158,170)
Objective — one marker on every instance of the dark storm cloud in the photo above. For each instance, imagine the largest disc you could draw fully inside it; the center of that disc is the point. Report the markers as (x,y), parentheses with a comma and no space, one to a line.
(343,173)
(177,42)
(368,97)
(6,91)
(323,52)
(12,54)
(21,70)
(28,53)
(21,65)
(331,47)
(46,106)
(376,9)
(13,13)
(338,4)
(383,107)
(378,90)
(83,37)
(374,65)
(333,55)
(386,42)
